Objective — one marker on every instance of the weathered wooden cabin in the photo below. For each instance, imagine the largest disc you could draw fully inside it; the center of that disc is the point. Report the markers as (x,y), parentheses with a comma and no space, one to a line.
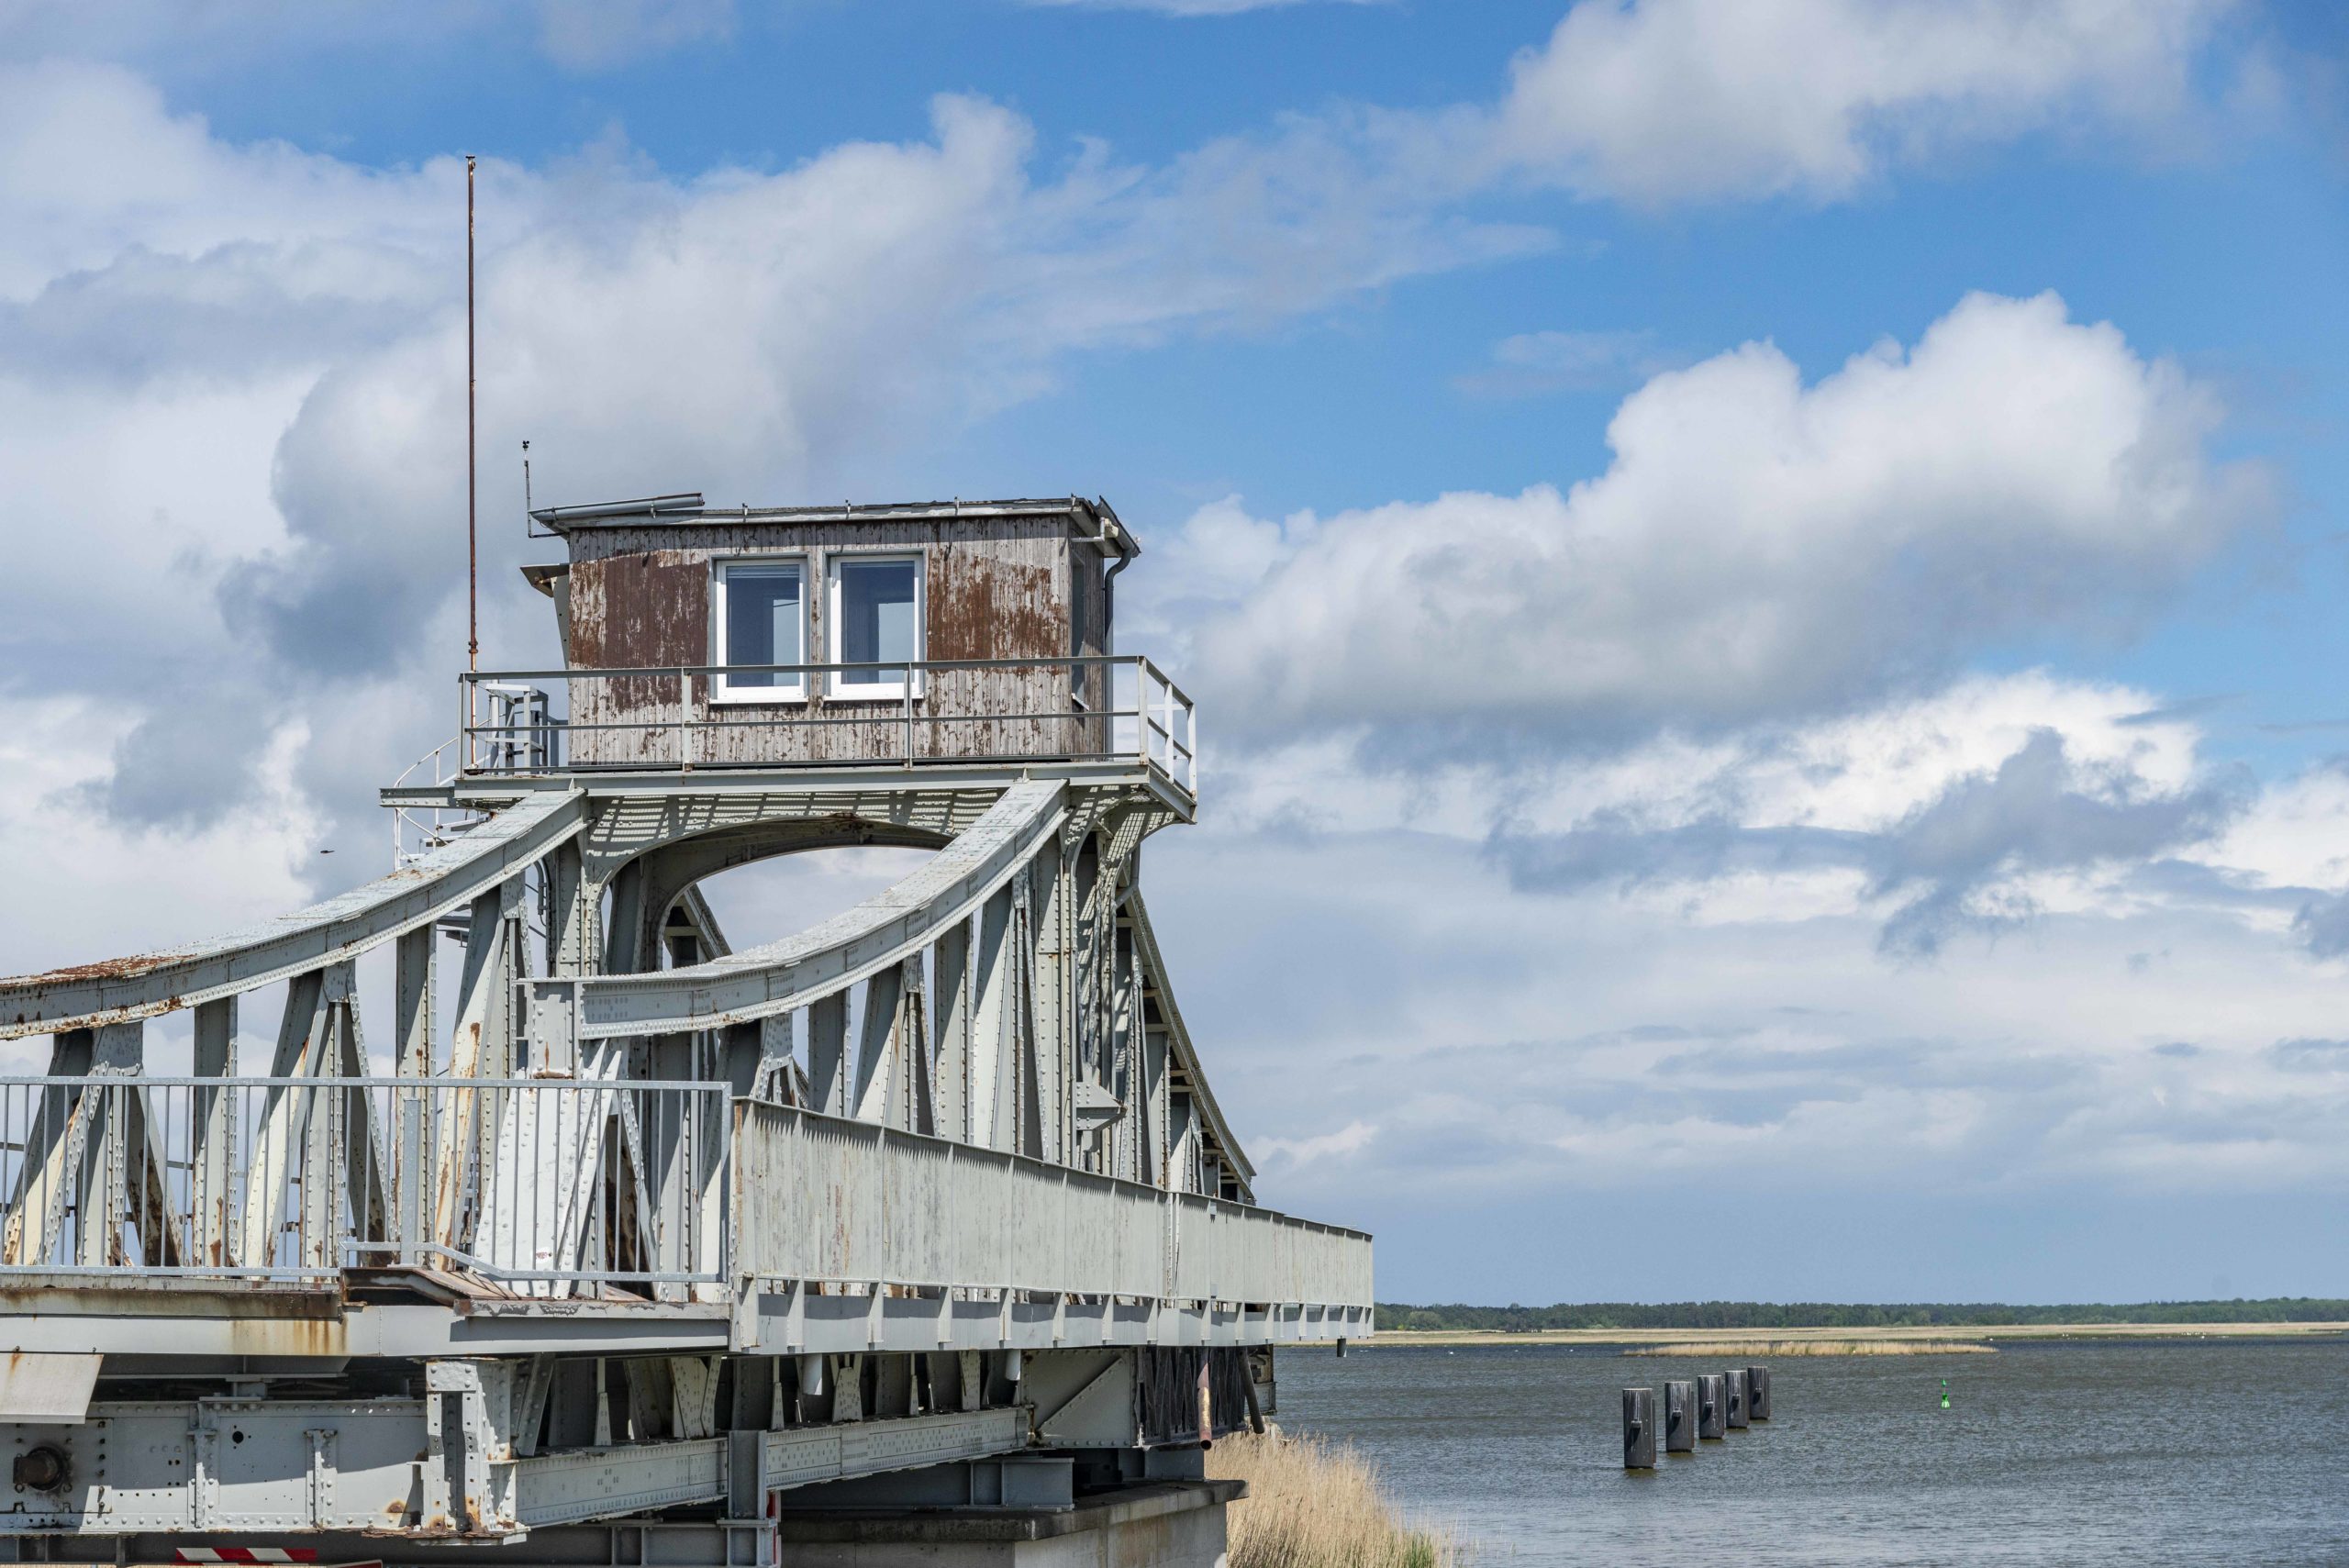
(697,636)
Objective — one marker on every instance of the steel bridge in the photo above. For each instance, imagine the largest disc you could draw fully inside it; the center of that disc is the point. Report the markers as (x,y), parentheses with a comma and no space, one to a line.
(620,1238)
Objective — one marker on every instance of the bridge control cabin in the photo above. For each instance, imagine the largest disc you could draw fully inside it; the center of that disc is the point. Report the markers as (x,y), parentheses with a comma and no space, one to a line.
(699,637)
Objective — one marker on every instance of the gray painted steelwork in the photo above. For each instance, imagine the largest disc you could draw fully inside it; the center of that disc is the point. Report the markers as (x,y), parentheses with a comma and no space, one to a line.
(636,1221)
(817,1195)
(219,1326)
(850,947)
(143,984)
(689,508)
(375,1464)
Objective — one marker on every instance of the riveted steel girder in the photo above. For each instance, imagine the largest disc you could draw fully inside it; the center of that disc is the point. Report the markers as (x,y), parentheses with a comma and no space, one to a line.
(143,986)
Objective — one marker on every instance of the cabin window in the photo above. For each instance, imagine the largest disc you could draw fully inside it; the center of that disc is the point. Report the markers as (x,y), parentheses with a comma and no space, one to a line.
(762,620)
(876,620)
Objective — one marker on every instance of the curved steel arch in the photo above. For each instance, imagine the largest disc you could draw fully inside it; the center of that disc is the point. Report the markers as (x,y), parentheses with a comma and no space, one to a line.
(836,953)
(648,886)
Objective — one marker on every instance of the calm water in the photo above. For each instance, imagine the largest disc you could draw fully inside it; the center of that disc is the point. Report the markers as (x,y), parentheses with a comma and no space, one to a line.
(2199,1453)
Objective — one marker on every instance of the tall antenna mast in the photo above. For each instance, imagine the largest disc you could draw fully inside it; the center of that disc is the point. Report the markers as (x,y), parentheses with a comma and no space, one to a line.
(472,511)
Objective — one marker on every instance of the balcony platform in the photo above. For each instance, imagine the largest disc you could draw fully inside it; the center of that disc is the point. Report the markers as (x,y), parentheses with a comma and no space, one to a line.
(735,780)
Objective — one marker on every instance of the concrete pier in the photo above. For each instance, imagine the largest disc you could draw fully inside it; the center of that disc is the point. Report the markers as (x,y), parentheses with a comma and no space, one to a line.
(1167,1525)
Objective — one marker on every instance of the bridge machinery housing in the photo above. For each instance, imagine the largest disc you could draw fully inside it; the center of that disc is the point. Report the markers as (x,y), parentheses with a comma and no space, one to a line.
(918,1231)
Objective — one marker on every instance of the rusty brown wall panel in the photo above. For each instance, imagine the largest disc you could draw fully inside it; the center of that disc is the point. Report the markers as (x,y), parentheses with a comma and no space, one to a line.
(998,588)
(632,609)
(646,606)
(986,602)
(994,588)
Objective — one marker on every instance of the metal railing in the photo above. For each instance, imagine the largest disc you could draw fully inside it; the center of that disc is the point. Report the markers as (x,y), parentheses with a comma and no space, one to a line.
(418,830)
(568,1187)
(821,1199)
(1106,708)
(544,1182)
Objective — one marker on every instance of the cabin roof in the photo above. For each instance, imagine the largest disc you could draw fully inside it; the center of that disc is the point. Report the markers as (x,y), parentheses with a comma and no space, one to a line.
(1095,518)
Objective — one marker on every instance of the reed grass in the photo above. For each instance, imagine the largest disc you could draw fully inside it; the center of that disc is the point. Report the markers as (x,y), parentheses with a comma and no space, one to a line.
(1708,1349)
(1316,1504)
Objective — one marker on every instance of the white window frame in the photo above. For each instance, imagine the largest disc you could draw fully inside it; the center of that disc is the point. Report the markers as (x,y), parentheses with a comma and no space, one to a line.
(722,688)
(877,691)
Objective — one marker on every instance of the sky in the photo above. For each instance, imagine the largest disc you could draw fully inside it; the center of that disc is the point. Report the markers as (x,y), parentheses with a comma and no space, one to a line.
(1761,576)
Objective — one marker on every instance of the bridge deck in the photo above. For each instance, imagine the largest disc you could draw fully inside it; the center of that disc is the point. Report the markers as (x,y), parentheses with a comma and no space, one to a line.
(785,1231)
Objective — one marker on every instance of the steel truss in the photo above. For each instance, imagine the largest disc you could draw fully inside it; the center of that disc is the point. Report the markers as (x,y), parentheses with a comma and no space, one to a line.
(636,1222)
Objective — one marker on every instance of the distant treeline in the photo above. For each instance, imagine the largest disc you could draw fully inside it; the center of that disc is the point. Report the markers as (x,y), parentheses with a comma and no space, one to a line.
(1516,1320)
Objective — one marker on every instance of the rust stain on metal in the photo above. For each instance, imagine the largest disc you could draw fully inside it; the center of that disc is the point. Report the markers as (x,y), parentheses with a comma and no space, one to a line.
(288,1337)
(257,1302)
(125,968)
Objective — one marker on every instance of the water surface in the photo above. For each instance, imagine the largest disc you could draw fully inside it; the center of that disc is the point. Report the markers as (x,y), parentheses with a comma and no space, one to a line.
(2145,1452)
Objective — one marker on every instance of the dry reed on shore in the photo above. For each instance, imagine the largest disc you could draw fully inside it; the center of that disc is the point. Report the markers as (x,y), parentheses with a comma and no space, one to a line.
(1314,1504)
(1712,1349)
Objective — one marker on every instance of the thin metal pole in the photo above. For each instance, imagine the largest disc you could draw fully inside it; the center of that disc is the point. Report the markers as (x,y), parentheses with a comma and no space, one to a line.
(472,520)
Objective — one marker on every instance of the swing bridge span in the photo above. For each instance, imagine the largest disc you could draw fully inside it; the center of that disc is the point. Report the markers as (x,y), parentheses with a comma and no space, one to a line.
(613,1241)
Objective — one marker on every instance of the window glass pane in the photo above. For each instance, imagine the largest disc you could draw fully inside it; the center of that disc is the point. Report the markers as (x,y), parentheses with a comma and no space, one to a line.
(763,622)
(877,620)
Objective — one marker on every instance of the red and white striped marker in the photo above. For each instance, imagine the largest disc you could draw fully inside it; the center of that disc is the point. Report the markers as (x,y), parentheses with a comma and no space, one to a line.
(266,1555)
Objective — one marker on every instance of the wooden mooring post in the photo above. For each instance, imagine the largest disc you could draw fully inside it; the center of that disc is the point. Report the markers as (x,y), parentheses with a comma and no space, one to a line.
(1733,1395)
(1711,1406)
(1639,1429)
(1680,1417)
(1757,1392)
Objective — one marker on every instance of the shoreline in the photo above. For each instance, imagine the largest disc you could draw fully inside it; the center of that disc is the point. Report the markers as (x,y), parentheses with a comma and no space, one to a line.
(1456,1338)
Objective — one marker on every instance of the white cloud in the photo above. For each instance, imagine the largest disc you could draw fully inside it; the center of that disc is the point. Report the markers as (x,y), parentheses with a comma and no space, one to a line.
(1527,364)
(1661,101)
(97,171)
(1589,1042)
(222,35)
(1383,966)
(1654,101)
(88,887)
(597,35)
(1757,547)
(1860,772)
(2300,835)
(1292,1153)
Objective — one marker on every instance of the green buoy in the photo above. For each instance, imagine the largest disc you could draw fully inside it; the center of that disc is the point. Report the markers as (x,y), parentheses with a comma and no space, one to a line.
(1945,1392)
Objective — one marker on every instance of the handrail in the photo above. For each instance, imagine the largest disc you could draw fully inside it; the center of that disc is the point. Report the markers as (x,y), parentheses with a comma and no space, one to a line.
(426,824)
(295,1178)
(485,677)
(1066,707)
(289,1178)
